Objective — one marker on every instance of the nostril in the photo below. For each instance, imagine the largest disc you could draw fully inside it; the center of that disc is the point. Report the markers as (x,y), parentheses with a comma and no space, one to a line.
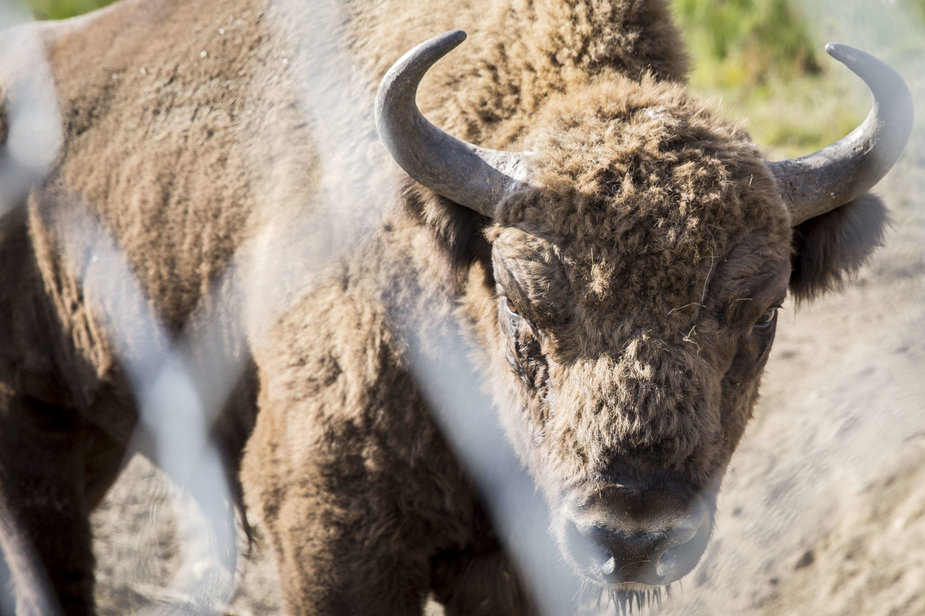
(665,564)
(602,557)
(590,553)
(609,566)
(680,556)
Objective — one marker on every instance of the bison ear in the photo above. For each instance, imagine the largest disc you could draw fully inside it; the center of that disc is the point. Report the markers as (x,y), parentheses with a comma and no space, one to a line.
(833,246)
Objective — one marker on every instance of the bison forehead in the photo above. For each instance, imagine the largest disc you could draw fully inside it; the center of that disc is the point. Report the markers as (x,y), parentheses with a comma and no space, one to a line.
(642,191)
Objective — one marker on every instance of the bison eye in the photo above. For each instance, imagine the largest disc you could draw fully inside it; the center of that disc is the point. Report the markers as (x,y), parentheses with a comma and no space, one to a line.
(510,307)
(767,320)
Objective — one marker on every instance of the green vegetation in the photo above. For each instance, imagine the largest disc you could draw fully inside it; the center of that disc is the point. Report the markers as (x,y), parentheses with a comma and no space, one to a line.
(758,58)
(746,42)
(755,56)
(60,9)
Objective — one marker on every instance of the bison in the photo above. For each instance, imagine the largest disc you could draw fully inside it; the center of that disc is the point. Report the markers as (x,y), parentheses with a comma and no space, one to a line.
(615,251)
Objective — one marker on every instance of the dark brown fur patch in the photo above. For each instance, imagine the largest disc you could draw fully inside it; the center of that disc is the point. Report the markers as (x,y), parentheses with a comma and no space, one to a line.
(829,249)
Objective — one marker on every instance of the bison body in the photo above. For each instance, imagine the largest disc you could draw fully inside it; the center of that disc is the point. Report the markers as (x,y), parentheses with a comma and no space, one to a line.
(621,294)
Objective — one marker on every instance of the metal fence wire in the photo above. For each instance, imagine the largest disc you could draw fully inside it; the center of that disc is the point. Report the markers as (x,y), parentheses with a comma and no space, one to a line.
(180,383)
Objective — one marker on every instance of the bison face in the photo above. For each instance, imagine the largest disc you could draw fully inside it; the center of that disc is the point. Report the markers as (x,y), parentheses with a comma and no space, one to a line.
(640,252)
(634,343)
(628,422)
(637,289)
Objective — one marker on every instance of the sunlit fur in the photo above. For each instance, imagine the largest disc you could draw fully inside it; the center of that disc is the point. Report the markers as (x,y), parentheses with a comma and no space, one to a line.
(651,245)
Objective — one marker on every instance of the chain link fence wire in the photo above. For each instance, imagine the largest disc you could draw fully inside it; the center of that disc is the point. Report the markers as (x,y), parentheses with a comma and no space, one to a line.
(181,384)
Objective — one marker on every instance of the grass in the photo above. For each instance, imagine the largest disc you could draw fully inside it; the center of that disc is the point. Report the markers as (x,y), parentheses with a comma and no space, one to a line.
(61,9)
(758,58)
(745,43)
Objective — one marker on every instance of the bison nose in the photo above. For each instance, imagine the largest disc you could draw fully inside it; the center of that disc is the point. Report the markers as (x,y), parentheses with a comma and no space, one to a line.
(624,536)
(637,556)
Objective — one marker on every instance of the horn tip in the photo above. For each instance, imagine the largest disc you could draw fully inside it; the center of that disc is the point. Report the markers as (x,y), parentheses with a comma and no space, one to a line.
(439,46)
(845,54)
(449,40)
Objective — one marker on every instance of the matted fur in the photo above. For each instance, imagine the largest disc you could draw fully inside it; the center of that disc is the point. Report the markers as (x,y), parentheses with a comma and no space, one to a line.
(621,304)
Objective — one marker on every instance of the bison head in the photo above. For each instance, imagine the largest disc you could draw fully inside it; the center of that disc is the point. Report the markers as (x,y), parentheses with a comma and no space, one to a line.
(641,250)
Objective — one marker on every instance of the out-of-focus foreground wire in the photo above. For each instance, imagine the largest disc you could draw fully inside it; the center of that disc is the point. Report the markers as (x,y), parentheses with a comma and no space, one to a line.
(33,136)
(177,408)
(33,126)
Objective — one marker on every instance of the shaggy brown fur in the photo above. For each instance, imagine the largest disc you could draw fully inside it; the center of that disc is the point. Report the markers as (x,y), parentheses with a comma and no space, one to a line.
(624,306)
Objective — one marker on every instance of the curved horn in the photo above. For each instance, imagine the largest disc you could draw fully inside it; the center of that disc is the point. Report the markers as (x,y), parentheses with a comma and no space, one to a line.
(475,177)
(833,176)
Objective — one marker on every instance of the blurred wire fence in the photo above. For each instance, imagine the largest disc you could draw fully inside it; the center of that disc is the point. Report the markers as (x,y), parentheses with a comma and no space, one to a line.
(181,384)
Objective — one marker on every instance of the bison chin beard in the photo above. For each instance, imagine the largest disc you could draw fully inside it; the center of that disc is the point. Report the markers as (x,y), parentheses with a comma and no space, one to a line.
(624,599)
